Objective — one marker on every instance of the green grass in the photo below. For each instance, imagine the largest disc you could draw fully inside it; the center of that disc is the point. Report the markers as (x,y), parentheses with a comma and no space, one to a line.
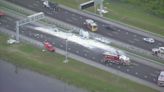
(126,13)
(74,72)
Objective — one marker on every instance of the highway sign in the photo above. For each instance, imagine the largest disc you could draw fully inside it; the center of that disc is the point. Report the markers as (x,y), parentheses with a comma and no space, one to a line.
(86,5)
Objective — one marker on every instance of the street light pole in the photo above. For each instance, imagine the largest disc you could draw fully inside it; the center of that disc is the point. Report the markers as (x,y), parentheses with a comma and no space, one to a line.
(66,49)
(17,31)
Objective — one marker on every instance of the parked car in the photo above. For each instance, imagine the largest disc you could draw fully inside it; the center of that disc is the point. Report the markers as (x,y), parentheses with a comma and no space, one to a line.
(149,40)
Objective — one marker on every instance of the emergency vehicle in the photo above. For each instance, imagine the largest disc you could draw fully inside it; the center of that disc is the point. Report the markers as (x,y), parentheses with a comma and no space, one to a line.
(91,25)
(117,59)
(49,46)
(161,79)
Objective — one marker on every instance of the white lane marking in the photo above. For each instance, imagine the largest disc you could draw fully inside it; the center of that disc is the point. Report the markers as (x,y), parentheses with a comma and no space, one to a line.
(61,45)
(73,18)
(93,58)
(109,34)
(119,30)
(69,20)
(66,12)
(127,33)
(77,51)
(119,67)
(154,79)
(136,39)
(154,75)
(130,41)
(145,76)
(136,73)
(115,32)
(69,48)
(53,43)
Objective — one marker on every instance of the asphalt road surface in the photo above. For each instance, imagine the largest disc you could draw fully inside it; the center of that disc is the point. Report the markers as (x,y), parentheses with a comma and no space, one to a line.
(15,79)
(137,69)
(75,19)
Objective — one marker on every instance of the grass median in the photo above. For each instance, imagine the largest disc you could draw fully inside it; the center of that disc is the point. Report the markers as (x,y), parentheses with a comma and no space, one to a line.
(74,72)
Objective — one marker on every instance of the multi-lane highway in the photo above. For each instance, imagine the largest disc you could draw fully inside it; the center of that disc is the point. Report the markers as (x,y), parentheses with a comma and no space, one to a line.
(73,18)
(137,69)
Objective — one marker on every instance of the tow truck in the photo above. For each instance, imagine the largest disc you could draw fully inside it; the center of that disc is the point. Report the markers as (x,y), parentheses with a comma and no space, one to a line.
(91,25)
(49,46)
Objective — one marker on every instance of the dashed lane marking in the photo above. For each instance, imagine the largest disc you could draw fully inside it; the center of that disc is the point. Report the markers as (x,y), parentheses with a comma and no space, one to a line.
(136,73)
(127,33)
(145,76)
(119,67)
(77,51)
(136,39)
(154,79)
(61,45)
(93,58)
(69,48)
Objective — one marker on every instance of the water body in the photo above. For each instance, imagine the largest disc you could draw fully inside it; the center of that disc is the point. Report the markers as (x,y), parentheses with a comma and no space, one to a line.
(14,79)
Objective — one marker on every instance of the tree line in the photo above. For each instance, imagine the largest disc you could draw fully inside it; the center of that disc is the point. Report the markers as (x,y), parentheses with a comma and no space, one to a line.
(155,7)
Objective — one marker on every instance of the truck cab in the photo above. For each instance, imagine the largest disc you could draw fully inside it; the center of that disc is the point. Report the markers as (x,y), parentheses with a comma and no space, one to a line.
(161,79)
(49,46)
(91,25)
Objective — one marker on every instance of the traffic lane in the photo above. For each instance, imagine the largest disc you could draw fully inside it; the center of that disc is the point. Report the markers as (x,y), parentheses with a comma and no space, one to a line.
(130,38)
(13,24)
(74,19)
(137,69)
(4,21)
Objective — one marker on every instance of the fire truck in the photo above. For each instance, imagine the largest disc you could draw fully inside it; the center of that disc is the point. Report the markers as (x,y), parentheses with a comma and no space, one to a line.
(117,59)
(49,46)
(161,79)
(91,25)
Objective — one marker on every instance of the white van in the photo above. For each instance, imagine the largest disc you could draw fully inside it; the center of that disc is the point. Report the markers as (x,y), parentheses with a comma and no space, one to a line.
(161,79)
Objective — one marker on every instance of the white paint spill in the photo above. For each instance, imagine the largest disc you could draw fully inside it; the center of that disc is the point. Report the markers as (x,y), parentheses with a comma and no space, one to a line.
(89,43)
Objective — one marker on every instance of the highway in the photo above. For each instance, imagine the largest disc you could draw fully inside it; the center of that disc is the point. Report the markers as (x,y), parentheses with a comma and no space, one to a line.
(73,18)
(137,69)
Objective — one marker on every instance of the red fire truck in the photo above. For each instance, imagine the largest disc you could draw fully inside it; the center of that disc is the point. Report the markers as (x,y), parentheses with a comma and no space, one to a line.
(49,46)
(117,59)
